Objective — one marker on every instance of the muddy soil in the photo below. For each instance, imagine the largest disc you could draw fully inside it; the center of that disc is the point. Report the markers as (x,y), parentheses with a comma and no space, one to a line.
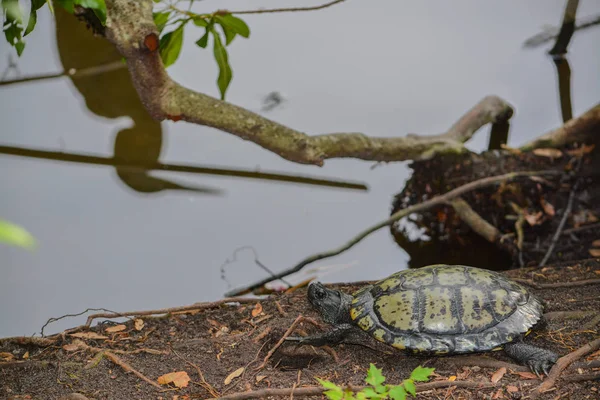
(221,339)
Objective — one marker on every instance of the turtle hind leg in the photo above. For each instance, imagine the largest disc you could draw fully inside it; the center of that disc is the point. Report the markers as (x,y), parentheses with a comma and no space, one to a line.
(332,337)
(536,358)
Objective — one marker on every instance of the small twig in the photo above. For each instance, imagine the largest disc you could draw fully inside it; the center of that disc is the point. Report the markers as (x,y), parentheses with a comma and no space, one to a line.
(562,364)
(535,285)
(193,307)
(280,309)
(568,314)
(474,220)
(437,200)
(291,9)
(316,390)
(263,334)
(592,323)
(483,362)
(561,225)
(287,333)
(207,386)
(71,73)
(116,360)
(54,319)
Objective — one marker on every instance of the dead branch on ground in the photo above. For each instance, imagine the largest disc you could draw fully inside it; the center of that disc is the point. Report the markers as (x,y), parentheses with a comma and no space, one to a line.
(584,282)
(435,201)
(562,364)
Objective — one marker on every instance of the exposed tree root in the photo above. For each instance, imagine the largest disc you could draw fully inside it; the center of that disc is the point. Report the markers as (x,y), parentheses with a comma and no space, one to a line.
(31,340)
(562,364)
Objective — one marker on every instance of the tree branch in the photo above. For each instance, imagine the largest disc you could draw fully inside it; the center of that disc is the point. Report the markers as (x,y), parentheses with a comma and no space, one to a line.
(437,200)
(130,27)
(578,129)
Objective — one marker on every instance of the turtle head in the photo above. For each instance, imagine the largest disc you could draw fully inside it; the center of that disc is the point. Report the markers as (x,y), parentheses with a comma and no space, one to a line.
(333,305)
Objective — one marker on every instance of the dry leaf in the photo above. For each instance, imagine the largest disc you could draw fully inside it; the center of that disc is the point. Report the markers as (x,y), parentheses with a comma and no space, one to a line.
(88,335)
(512,389)
(498,375)
(580,151)
(548,208)
(116,328)
(71,347)
(6,356)
(498,394)
(596,243)
(533,219)
(452,378)
(139,324)
(511,149)
(179,379)
(550,153)
(26,355)
(233,375)
(594,252)
(260,378)
(527,375)
(256,310)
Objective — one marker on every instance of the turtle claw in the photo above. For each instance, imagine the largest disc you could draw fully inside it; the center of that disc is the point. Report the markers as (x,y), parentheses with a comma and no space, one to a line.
(539,367)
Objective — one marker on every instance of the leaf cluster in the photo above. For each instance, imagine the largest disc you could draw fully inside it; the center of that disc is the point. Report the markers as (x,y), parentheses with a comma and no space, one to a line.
(222,26)
(376,388)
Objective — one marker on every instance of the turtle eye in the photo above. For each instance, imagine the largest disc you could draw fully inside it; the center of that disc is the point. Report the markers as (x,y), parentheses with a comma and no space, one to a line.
(320,294)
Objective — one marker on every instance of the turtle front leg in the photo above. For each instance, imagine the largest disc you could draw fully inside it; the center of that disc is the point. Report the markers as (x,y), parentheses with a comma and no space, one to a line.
(332,337)
(537,359)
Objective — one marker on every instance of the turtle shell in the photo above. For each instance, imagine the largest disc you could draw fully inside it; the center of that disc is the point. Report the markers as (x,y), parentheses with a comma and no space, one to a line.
(445,309)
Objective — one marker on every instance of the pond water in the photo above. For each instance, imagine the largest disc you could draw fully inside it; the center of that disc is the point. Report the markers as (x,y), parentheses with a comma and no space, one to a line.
(128,239)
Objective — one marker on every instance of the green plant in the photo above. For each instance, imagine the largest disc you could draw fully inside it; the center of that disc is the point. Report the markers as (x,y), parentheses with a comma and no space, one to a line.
(169,20)
(376,389)
(15,235)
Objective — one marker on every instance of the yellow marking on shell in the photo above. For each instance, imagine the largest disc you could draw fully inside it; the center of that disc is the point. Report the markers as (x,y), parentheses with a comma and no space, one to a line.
(366,322)
(399,343)
(501,302)
(438,316)
(497,349)
(474,315)
(449,276)
(355,312)
(528,332)
(396,310)
(390,283)
(439,352)
(378,334)
(417,278)
(480,276)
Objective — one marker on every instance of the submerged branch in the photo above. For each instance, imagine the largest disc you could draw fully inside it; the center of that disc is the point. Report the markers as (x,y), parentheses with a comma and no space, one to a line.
(437,200)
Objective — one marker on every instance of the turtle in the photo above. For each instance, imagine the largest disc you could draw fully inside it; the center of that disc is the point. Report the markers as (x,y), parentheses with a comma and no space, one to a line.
(436,310)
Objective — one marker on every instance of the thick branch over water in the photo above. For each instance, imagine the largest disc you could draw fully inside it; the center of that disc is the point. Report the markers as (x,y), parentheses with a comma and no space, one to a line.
(131,28)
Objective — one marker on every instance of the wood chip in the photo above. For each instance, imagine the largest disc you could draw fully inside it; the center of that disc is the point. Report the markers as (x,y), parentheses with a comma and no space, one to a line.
(550,153)
(512,389)
(238,372)
(180,379)
(498,375)
(594,252)
(257,310)
(139,324)
(116,328)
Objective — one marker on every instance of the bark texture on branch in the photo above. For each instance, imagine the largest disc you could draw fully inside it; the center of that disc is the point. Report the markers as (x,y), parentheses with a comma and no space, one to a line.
(130,27)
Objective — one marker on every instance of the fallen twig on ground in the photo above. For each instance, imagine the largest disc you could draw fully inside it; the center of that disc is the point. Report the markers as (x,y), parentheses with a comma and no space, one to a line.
(534,285)
(562,364)
(561,225)
(568,314)
(287,333)
(316,390)
(207,386)
(474,220)
(437,200)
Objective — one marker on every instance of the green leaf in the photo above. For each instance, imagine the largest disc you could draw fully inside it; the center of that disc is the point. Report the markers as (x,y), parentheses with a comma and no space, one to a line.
(421,374)
(370,393)
(234,24)
(15,235)
(203,41)
(200,21)
(160,19)
(20,46)
(374,376)
(334,393)
(397,393)
(410,387)
(229,35)
(13,11)
(35,5)
(170,46)
(225,73)
(98,6)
